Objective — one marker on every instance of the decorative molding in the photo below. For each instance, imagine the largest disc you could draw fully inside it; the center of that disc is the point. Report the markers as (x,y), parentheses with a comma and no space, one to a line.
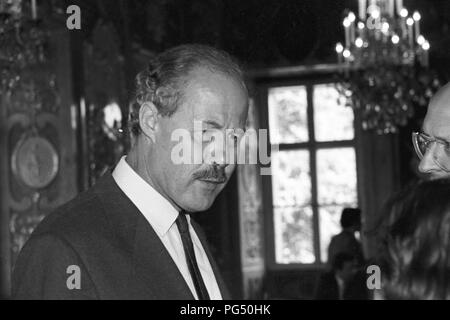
(34,162)
(251,221)
(105,85)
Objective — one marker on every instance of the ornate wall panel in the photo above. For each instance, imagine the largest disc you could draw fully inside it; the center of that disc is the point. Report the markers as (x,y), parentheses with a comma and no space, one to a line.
(106,99)
(251,222)
(37,145)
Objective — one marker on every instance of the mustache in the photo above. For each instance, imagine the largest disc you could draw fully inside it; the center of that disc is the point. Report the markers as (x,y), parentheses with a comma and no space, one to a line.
(211,173)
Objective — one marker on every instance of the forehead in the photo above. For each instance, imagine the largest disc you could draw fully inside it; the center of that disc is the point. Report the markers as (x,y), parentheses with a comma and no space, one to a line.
(215,96)
(437,120)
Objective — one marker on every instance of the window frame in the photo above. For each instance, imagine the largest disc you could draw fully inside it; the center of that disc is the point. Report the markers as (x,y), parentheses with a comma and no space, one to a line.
(309,78)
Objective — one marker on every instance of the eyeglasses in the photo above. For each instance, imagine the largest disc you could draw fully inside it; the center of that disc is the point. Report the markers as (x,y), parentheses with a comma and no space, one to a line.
(422,144)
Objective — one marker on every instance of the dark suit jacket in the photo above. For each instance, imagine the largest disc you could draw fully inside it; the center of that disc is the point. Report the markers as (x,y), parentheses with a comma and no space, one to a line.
(327,287)
(345,242)
(119,254)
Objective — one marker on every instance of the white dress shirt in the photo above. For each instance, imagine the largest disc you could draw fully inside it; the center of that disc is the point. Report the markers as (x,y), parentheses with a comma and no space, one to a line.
(161,215)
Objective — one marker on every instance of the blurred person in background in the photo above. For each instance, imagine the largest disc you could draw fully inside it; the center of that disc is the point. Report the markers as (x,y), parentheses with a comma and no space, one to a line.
(341,282)
(346,241)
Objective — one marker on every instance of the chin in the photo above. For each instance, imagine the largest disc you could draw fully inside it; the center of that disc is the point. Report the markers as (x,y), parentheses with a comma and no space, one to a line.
(200,196)
(200,201)
(198,206)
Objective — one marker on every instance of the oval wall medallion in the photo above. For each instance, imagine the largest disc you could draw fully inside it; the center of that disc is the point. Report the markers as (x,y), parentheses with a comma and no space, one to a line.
(35,162)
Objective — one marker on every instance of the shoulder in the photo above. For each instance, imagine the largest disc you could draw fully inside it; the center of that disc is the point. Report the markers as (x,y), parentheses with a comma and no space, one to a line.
(45,250)
(342,237)
(82,214)
(81,222)
(41,272)
(58,242)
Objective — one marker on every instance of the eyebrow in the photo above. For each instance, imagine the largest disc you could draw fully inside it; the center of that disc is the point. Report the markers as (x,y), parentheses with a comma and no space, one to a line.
(447,140)
(213,123)
(443,139)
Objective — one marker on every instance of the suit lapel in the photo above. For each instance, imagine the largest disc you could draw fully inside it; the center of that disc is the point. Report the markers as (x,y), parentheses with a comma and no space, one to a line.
(221,283)
(154,274)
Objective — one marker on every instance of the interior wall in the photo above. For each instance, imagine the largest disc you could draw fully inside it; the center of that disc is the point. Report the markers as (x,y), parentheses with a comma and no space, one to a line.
(38,148)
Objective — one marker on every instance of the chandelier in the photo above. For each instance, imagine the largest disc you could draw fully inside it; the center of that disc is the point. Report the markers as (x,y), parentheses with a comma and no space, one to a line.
(22,42)
(384,65)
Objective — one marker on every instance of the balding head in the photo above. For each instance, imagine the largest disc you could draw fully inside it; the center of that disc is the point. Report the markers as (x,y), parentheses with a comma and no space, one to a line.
(440,103)
(437,126)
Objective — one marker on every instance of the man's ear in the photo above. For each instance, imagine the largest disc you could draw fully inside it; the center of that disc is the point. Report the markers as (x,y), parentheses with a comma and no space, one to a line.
(148,119)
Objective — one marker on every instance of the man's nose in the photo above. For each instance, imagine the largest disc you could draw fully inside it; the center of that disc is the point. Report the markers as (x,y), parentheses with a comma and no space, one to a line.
(428,163)
(218,157)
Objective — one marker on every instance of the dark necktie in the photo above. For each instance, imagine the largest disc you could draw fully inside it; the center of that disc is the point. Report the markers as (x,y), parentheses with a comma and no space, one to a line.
(188,247)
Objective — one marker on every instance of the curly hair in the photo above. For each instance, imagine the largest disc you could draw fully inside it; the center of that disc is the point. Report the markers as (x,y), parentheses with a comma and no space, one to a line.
(166,74)
(418,243)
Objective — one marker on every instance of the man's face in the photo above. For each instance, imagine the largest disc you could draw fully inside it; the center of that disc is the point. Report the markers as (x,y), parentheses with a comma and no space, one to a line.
(219,102)
(436,161)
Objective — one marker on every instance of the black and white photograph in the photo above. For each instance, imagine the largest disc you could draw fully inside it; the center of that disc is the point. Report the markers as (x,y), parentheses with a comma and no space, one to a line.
(241,150)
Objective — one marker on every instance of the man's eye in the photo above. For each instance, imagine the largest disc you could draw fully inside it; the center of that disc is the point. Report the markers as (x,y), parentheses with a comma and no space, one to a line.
(425,141)
(207,132)
(447,146)
(209,135)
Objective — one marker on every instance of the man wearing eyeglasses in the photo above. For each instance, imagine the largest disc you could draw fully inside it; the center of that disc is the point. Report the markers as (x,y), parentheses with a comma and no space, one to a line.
(432,145)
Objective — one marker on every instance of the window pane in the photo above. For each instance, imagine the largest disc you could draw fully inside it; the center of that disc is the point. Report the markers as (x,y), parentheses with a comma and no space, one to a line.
(291,182)
(332,121)
(337,188)
(287,115)
(329,224)
(294,235)
(336,176)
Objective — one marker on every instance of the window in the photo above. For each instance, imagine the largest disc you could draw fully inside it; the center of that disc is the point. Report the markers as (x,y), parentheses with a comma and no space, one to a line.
(313,171)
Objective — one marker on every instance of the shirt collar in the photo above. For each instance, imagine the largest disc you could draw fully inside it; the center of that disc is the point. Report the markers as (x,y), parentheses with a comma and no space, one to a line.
(158,211)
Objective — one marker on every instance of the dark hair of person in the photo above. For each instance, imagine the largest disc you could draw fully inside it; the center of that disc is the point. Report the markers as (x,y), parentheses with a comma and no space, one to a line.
(417,248)
(350,217)
(165,77)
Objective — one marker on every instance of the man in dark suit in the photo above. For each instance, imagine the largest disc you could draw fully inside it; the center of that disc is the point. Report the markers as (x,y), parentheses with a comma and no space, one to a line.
(343,281)
(346,240)
(130,236)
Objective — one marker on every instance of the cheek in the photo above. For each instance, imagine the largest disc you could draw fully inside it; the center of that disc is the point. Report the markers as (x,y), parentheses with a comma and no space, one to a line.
(181,175)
